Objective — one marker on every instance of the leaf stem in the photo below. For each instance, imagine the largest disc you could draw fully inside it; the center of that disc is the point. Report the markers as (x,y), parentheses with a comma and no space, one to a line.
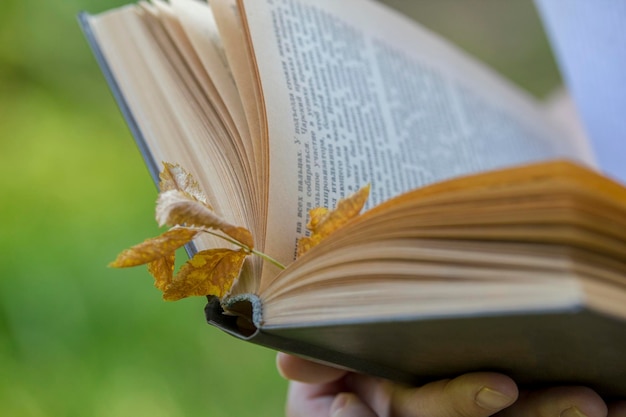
(268,258)
(245,247)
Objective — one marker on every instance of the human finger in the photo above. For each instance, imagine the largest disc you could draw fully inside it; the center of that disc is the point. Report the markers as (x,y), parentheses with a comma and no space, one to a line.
(478,394)
(302,370)
(310,400)
(349,405)
(558,402)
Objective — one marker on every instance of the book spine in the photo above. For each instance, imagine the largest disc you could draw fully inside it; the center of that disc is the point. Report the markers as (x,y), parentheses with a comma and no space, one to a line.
(228,323)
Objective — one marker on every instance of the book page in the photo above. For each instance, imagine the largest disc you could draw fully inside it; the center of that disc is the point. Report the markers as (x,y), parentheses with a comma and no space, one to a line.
(357,94)
(200,26)
(175,119)
(518,227)
(561,108)
(196,21)
(241,64)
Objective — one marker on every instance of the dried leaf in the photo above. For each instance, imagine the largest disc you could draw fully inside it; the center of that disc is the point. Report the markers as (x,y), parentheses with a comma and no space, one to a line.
(175,207)
(209,272)
(316,216)
(240,234)
(154,248)
(174,177)
(162,270)
(184,206)
(324,222)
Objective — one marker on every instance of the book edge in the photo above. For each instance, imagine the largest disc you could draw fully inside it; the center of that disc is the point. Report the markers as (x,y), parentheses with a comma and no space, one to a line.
(83,19)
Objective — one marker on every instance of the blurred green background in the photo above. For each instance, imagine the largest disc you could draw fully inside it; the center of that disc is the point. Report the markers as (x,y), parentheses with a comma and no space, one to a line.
(79,339)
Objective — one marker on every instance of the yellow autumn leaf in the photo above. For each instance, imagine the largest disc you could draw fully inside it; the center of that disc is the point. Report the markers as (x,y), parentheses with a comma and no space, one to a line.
(175,207)
(209,272)
(162,270)
(174,177)
(154,248)
(240,234)
(183,206)
(316,215)
(323,222)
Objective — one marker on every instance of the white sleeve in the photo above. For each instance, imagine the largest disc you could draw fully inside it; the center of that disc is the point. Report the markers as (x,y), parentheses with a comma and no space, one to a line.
(589,41)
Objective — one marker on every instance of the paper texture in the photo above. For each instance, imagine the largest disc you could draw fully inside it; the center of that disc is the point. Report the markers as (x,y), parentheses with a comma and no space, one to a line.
(368,97)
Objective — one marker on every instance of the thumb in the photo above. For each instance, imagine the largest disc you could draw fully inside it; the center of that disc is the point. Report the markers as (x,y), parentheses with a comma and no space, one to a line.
(349,405)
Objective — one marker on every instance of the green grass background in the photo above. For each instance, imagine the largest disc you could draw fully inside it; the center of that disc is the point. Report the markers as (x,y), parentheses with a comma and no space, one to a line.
(79,339)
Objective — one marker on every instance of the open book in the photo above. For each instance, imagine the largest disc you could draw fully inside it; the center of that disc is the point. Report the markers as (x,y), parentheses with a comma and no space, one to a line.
(487,243)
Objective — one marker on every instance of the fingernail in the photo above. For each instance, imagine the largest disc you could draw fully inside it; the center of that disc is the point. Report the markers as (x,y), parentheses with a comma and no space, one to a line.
(339,403)
(493,400)
(572,412)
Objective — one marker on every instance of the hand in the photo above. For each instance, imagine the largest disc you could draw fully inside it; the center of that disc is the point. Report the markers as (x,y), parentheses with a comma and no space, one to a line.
(322,391)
